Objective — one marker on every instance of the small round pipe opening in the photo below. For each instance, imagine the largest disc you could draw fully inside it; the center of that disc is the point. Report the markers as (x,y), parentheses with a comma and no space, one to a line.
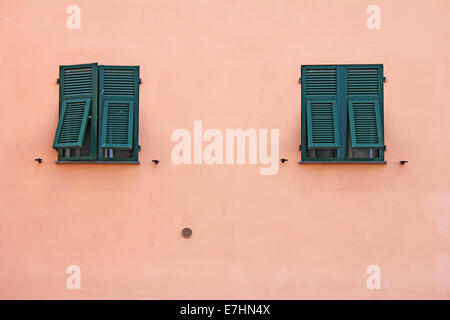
(186,233)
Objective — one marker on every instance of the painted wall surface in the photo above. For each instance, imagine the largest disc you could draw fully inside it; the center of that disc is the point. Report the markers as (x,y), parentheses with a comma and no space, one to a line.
(309,231)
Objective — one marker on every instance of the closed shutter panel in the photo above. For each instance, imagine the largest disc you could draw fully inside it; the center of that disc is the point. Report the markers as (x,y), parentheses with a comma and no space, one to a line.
(364,94)
(363,81)
(78,100)
(320,81)
(117,129)
(119,98)
(322,122)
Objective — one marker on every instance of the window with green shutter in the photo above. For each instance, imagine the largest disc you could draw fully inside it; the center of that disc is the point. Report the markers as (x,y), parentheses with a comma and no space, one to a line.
(119,107)
(342,114)
(98,114)
(75,137)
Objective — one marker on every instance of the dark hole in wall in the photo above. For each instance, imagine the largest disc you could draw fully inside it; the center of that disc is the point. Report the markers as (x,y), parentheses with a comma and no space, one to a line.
(186,232)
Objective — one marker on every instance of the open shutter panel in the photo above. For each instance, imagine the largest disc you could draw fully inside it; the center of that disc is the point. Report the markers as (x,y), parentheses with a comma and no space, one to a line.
(365,124)
(117,129)
(320,89)
(364,94)
(322,123)
(119,97)
(78,88)
(72,123)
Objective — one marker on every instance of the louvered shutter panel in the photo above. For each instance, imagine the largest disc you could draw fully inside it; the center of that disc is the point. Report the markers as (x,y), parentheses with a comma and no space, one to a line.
(119,98)
(320,81)
(78,96)
(72,123)
(322,122)
(117,130)
(363,81)
(365,124)
(364,88)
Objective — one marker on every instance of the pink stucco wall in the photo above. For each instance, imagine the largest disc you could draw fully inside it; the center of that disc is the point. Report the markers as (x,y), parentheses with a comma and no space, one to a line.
(310,231)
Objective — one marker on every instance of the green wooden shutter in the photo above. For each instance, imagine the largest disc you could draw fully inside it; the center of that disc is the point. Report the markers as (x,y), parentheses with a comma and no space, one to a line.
(320,81)
(320,93)
(72,123)
(77,101)
(363,81)
(322,123)
(119,100)
(364,88)
(365,124)
(117,129)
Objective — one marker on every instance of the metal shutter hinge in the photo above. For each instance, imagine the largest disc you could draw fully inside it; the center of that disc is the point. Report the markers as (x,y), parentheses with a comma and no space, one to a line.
(300,80)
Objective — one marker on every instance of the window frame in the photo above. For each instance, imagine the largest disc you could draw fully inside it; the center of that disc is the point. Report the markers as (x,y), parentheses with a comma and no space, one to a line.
(342,101)
(96,154)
